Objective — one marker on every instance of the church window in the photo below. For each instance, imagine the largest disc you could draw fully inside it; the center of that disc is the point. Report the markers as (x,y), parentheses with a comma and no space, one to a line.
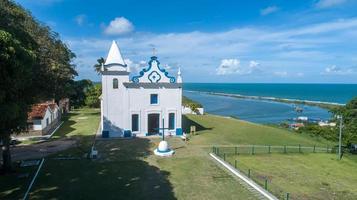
(134,122)
(172,121)
(154,99)
(115,83)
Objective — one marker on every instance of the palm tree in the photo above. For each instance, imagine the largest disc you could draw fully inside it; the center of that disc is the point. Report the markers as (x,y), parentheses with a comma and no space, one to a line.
(98,66)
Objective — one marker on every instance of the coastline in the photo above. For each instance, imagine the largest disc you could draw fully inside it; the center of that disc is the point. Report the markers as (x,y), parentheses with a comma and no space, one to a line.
(321,104)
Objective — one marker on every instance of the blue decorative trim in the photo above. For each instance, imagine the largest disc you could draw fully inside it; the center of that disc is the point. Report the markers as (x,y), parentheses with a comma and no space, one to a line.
(154,77)
(135,79)
(179,131)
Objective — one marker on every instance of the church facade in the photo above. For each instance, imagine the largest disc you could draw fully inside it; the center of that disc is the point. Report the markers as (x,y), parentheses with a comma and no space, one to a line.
(142,104)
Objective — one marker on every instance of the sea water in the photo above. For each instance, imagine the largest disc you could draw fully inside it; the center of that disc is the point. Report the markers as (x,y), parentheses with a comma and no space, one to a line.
(337,93)
(265,112)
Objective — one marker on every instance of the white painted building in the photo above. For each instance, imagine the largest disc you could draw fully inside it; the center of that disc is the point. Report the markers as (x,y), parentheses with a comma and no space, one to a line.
(43,117)
(139,104)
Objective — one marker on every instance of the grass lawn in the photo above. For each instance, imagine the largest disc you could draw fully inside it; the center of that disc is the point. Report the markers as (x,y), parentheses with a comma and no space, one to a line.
(217,130)
(126,169)
(14,186)
(304,176)
(80,125)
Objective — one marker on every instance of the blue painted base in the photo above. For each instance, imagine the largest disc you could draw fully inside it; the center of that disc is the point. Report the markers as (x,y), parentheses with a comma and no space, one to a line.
(179,131)
(164,154)
(127,133)
(105,134)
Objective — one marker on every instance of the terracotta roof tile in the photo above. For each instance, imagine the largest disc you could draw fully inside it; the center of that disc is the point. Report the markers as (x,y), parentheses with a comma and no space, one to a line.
(38,111)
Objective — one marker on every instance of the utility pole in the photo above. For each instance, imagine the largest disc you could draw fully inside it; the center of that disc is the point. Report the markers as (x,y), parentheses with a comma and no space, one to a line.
(340,138)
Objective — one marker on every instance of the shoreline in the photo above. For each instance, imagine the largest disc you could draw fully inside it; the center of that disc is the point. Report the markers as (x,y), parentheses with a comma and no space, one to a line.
(321,104)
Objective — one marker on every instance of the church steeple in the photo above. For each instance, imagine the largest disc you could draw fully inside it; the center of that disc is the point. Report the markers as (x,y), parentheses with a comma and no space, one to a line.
(114,56)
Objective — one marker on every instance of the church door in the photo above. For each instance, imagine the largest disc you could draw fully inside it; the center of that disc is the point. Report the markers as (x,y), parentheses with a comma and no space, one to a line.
(153,123)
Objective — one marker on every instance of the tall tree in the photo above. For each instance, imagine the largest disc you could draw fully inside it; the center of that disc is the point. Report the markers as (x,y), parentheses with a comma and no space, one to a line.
(97,67)
(16,68)
(35,64)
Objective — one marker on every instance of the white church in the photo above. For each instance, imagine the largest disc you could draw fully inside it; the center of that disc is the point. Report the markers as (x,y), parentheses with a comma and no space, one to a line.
(142,104)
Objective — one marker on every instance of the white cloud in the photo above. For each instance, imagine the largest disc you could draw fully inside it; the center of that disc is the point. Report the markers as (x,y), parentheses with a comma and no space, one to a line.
(269,10)
(334,70)
(253,64)
(135,66)
(80,19)
(281,73)
(119,26)
(329,3)
(233,66)
(280,49)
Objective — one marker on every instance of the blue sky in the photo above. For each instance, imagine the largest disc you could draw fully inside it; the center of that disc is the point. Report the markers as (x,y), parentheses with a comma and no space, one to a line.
(278,41)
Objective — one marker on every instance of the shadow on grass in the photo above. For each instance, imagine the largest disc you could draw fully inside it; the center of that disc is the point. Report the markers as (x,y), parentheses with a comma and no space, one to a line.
(187,123)
(120,172)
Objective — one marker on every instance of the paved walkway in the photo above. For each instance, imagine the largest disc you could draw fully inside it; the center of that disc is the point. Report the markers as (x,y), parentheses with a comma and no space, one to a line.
(40,150)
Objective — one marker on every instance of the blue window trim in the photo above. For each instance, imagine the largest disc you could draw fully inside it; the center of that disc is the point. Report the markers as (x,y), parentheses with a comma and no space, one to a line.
(151,99)
(135,79)
(137,123)
(172,121)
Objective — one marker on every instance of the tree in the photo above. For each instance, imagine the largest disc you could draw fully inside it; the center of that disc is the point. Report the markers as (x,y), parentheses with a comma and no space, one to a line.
(17,64)
(349,115)
(78,92)
(92,96)
(35,65)
(97,67)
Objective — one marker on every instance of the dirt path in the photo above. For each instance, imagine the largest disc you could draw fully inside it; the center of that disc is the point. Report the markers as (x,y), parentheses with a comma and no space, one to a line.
(40,150)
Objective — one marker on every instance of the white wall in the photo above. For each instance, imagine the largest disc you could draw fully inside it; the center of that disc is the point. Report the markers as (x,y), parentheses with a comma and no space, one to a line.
(114,102)
(37,124)
(169,101)
(47,116)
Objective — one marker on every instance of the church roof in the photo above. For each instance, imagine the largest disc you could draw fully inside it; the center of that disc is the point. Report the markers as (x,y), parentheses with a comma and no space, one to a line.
(114,55)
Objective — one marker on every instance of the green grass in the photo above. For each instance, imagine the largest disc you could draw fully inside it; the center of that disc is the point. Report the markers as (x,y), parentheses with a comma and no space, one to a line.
(217,130)
(304,176)
(126,169)
(80,125)
(14,187)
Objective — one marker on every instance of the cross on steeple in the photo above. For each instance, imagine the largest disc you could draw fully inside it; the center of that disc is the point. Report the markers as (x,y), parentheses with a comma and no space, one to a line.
(154,51)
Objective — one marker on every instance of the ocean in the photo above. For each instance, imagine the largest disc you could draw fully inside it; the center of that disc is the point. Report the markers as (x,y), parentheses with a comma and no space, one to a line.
(264,111)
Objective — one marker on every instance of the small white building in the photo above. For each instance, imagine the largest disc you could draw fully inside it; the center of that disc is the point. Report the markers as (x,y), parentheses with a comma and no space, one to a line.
(43,117)
(141,104)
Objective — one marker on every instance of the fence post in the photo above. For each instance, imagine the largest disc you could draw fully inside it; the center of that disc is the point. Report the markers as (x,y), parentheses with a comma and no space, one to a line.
(248,173)
(327,149)
(299,148)
(235,164)
(269,148)
(253,150)
(236,150)
(284,148)
(287,196)
(212,149)
(224,156)
(314,148)
(266,184)
(217,151)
